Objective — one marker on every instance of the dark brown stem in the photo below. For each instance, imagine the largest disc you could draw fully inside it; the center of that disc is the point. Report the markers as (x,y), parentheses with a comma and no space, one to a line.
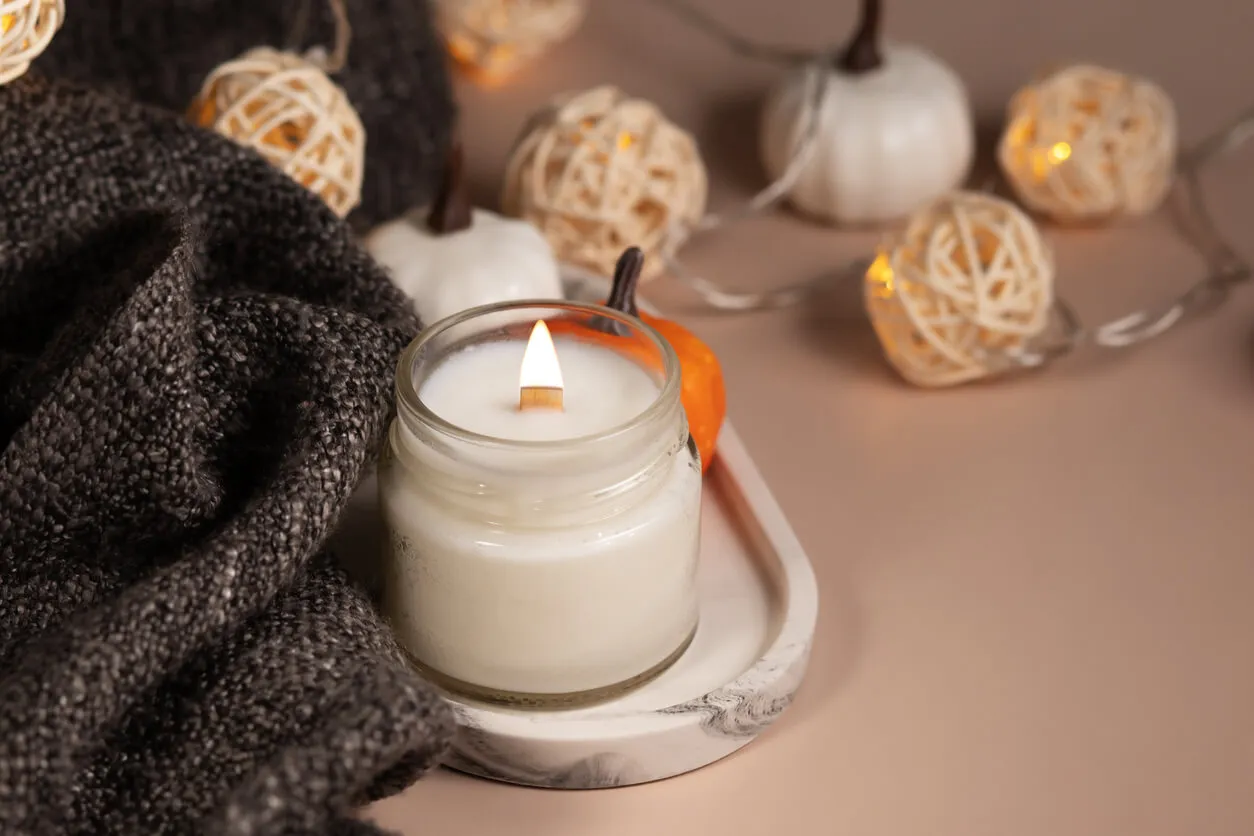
(451,210)
(626,278)
(862,53)
(622,293)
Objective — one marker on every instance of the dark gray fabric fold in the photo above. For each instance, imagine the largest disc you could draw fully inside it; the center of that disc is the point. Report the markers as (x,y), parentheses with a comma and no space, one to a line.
(195,372)
(159,52)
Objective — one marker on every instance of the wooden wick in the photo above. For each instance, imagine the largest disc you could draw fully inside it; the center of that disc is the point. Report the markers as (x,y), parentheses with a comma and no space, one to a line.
(539,397)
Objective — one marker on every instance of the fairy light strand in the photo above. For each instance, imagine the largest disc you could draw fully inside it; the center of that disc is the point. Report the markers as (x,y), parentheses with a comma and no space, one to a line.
(770,196)
(1225,267)
(338,57)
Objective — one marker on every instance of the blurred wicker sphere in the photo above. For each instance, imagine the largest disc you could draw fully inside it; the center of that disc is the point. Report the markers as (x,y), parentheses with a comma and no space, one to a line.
(962,290)
(1086,143)
(288,110)
(599,171)
(493,38)
(26,29)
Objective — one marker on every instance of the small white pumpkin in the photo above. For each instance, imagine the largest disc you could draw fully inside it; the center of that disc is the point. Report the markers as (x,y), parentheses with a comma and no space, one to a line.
(464,257)
(894,130)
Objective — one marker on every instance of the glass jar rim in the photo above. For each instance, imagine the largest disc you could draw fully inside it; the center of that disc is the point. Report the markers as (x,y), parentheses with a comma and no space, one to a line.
(408,399)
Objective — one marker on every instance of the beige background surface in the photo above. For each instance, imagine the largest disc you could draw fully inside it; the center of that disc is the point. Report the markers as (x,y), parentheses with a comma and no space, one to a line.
(1037,596)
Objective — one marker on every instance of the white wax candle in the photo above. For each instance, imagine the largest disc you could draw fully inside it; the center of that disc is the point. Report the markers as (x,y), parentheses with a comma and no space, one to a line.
(555,600)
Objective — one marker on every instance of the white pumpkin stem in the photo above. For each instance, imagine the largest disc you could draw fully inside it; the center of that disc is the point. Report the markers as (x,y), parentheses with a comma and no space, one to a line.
(862,53)
(451,210)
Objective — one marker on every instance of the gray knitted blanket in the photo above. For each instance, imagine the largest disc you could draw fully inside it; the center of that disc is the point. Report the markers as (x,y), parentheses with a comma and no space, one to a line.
(195,367)
(159,52)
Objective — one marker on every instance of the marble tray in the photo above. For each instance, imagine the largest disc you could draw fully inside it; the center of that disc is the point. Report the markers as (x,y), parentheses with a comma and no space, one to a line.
(759,603)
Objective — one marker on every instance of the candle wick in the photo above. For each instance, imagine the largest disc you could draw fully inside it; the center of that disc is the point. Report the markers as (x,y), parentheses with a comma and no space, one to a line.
(540,397)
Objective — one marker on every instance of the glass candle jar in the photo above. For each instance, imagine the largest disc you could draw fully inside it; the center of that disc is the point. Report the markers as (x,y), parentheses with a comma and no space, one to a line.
(540,557)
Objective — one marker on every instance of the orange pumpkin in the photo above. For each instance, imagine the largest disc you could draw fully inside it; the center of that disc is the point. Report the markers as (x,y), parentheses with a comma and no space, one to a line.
(704,394)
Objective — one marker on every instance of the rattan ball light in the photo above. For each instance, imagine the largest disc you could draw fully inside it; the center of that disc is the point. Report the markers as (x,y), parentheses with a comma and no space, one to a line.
(965,286)
(287,109)
(493,38)
(26,29)
(598,172)
(1086,143)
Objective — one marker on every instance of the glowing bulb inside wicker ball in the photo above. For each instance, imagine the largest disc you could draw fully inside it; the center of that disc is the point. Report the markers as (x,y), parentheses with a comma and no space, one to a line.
(493,38)
(26,29)
(962,290)
(288,110)
(1086,143)
(598,172)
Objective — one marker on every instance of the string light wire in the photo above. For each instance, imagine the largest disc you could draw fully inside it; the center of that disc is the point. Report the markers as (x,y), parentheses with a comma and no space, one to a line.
(1225,268)
(338,58)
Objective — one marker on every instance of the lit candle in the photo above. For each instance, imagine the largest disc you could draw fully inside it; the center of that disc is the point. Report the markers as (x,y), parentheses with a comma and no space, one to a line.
(540,377)
(542,505)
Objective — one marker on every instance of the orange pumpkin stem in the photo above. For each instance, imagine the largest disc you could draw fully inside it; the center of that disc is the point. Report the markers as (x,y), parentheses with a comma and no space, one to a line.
(626,278)
(702,393)
(622,293)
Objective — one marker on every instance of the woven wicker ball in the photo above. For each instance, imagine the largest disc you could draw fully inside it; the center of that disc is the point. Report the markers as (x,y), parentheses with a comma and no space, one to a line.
(288,110)
(26,29)
(598,172)
(1086,143)
(493,38)
(965,286)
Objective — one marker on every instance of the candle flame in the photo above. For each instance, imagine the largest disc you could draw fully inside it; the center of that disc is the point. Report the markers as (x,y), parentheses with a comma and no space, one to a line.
(540,369)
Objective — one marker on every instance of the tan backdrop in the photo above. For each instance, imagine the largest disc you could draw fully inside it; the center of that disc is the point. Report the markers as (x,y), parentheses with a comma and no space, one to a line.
(1037,596)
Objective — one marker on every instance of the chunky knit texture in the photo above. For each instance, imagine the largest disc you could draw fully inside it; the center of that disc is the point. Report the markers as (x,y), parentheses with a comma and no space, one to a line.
(159,52)
(195,367)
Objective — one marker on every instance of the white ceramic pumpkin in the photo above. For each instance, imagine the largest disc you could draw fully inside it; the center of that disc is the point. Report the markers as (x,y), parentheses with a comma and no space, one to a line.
(464,257)
(894,130)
